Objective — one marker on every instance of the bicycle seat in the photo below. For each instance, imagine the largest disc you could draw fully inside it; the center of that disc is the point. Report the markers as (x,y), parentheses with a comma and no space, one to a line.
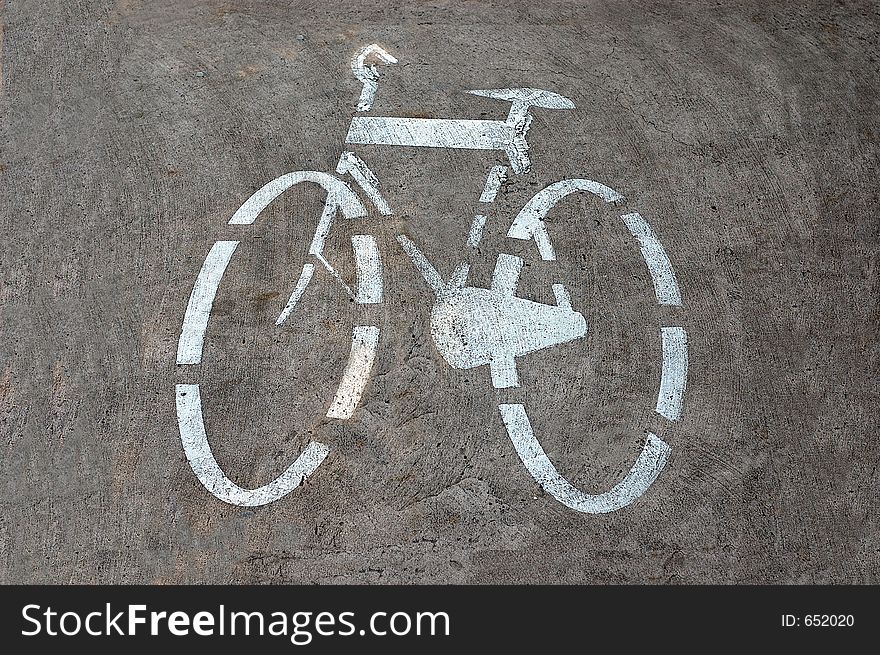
(529,96)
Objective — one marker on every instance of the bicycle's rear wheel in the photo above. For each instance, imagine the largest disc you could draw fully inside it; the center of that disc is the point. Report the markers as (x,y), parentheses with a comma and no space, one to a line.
(364,342)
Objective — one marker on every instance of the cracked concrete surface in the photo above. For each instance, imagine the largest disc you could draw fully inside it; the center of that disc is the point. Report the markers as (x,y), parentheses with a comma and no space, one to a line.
(745,133)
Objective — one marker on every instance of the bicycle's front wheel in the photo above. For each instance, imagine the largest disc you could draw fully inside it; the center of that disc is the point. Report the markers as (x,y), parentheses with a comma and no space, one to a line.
(530,224)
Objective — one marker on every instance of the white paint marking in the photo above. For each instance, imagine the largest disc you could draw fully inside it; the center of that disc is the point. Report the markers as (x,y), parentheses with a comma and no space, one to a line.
(322,230)
(502,370)
(496,178)
(369,269)
(364,342)
(352,164)
(529,223)
(336,275)
(673,380)
(529,97)
(301,284)
(505,277)
(476,233)
(429,273)
(662,274)
(459,276)
(430,132)
(472,326)
(369,75)
(519,118)
(563,299)
(509,135)
(338,194)
(641,476)
(198,310)
(208,471)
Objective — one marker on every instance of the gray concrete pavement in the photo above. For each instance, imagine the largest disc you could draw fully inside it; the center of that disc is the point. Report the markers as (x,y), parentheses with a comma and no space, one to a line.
(745,133)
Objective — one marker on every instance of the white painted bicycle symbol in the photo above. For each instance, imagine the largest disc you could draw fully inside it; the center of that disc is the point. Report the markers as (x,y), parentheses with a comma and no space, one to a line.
(470,326)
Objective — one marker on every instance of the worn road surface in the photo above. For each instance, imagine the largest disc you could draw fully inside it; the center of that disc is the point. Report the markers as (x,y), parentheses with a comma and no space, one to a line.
(744,133)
